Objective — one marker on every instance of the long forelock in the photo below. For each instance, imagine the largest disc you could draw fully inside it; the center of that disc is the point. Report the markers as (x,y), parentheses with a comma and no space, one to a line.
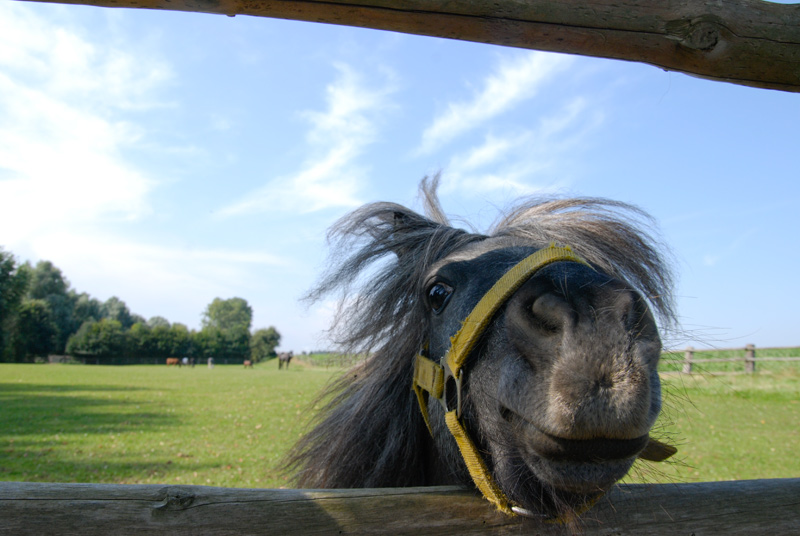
(381,254)
(617,238)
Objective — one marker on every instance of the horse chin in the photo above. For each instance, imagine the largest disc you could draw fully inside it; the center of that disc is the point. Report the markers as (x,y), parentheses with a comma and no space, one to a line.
(562,489)
(555,490)
(570,473)
(582,479)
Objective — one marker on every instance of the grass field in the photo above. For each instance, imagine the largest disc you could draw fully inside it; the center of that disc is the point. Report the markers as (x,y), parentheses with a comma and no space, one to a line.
(230,426)
(151,424)
(730,427)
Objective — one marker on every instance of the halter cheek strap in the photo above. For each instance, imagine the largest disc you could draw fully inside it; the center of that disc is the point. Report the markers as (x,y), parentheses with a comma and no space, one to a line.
(443,380)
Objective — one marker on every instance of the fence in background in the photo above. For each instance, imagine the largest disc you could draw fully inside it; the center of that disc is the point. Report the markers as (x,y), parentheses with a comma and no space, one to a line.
(748,359)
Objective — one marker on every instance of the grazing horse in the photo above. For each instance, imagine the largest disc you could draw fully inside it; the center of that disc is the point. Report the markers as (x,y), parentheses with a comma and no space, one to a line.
(522,361)
(284,358)
(174,361)
(248,363)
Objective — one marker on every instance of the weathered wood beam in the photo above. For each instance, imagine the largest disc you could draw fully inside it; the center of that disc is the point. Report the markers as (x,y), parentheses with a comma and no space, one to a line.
(747,42)
(712,508)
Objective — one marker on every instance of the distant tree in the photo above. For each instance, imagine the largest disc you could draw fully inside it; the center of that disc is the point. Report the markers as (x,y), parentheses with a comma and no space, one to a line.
(226,330)
(161,341)
(115,309)
(85,307)
(46,282)
(226,315)
(54,314)
(263,343)
(181,340)
(140,341)
(36,331)
(13,285)
(61,308)
(157,321)
(163,344)
(213,342)
(209,342)
(237,344)
(102,338)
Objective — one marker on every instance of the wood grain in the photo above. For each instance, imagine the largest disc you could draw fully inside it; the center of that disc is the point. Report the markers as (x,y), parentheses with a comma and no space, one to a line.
(747,42)
(713,508)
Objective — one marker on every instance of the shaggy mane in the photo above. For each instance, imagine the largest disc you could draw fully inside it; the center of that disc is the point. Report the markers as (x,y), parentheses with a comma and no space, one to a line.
(369,432)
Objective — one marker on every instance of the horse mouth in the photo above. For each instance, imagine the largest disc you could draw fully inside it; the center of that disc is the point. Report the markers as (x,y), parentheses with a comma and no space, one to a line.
(561,449)
(579,467)
(595,450)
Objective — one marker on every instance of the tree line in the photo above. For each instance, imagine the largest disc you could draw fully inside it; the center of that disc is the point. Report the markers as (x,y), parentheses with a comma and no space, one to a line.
(41,315)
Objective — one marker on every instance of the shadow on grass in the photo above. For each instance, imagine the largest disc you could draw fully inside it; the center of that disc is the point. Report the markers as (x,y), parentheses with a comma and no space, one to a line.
(103,471)
(42,410)
(42,429)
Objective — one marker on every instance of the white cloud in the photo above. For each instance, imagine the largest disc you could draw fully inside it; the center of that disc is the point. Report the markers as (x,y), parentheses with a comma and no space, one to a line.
(98,253)
(524,161)
(174,281)
(492,149)
(515,80)
(67,118)
(718,252)
(62,128)
(338,136)
(70,115)
(62,62)
(62,164)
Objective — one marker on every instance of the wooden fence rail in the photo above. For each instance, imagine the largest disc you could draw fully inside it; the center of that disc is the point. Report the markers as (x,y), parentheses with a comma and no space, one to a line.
(710,508)
(749,359)
(747,42)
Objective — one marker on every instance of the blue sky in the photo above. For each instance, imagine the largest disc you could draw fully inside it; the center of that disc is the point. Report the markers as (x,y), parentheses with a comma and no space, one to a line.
(171,158)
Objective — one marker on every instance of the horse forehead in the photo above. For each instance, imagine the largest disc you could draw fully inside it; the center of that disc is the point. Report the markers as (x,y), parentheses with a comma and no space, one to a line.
(476,249)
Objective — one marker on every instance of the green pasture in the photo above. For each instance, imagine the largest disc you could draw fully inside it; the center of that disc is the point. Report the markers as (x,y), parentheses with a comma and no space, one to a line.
(230,426)
(728,427)
(146,424)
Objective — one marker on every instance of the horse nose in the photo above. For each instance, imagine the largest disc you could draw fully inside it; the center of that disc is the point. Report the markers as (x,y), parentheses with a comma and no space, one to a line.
(554,304)
(631,310)
(592,341)
(545,307)
(550,313)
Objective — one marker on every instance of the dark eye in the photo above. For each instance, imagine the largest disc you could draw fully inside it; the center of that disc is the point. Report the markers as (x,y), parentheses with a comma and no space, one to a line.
(438,296)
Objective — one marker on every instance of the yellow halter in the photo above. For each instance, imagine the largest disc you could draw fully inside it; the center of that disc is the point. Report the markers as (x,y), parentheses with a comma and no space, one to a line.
(438,379)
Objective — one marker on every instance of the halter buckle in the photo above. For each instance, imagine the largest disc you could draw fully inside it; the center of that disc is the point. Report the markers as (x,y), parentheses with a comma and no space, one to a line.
(451,393)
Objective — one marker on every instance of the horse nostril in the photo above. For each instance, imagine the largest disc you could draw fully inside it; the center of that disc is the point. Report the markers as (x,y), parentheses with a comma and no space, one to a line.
(506,414)
(549,313)
(604,382)
(630,309)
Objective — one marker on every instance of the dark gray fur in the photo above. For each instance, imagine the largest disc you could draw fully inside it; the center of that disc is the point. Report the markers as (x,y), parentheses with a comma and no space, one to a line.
(370,432)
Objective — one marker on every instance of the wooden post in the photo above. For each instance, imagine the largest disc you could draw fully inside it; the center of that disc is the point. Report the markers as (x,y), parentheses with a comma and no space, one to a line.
(687,360)
(750,358)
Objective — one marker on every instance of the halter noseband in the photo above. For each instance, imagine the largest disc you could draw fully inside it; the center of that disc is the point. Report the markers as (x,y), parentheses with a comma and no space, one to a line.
(443,380)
